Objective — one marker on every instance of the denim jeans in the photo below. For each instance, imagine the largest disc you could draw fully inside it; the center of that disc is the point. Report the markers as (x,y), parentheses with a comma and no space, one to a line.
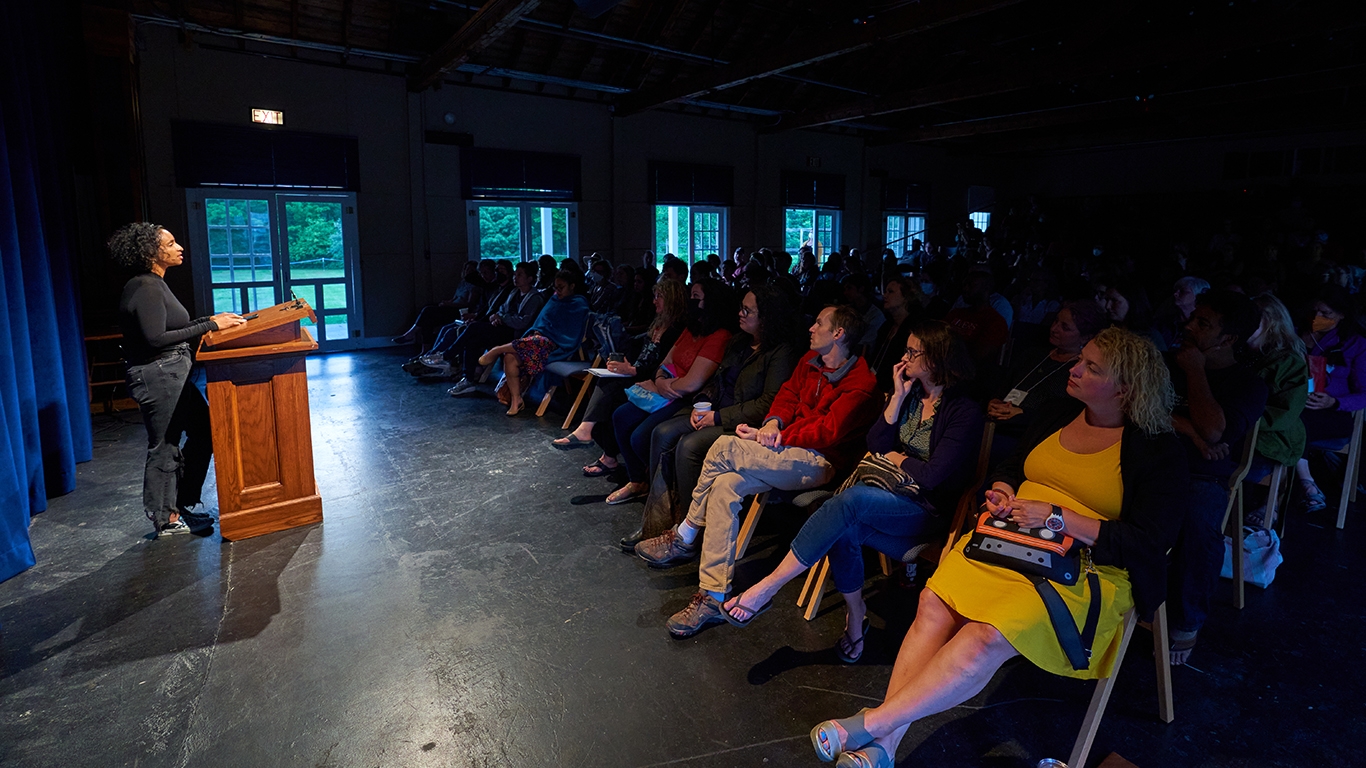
(1198,556)
(862,515)
(464,347)
(633,428)
(171,406)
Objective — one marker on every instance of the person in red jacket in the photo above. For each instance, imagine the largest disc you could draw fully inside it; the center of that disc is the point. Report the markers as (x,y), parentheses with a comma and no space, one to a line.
(814,429)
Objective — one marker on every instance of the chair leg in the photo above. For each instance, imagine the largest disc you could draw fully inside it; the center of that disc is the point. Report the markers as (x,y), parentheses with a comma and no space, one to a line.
(886,563)
(1091,724)
(1273,496)
(819,575)
(1162,657)
(1238,586)
(545,402)
(578,400)
(756,508)
(1349,474)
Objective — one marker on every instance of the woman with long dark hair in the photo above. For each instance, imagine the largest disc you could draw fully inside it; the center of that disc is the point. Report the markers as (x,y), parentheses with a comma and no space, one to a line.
(158,344)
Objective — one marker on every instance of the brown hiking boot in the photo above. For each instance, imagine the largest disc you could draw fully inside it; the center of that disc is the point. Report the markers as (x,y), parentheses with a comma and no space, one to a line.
(667,549)
(701,611)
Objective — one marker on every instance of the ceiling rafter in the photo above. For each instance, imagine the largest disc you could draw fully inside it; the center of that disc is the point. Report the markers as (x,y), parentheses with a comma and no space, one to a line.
(1173,50)
(786,57)
(484,27)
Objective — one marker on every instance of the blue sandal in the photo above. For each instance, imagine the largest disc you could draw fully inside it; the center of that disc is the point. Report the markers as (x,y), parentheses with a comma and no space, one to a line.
(825,738)
(865,758)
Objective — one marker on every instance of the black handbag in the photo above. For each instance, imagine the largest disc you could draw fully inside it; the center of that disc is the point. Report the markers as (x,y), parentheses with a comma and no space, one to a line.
(1043,557)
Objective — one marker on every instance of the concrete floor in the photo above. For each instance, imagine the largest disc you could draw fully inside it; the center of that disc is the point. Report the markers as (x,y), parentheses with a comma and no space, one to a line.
(454,609)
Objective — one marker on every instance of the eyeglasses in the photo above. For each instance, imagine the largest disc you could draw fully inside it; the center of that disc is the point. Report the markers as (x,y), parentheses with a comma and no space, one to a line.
(747,312)
(912,354)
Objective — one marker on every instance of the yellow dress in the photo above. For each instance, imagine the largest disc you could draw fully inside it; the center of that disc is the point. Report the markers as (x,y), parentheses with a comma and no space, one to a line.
(1088,484)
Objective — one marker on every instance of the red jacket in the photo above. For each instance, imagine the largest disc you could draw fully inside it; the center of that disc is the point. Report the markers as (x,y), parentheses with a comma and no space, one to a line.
(827,411)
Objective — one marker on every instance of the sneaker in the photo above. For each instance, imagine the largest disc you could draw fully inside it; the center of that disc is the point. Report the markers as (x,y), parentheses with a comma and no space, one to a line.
(702,610)
(412,364)
(198,522)
(667,549)
(462,387)
(440,370)
(172,529)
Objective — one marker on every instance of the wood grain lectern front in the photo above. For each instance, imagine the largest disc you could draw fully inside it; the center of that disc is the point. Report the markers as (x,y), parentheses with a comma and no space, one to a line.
(258,404)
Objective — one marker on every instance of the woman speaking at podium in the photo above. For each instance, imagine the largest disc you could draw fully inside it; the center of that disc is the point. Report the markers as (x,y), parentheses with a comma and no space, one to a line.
(158,335)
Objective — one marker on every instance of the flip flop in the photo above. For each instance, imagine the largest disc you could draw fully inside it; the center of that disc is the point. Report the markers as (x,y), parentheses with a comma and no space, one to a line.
(754,613)
(624,499)
(598,469)
(851,658)
(571,441)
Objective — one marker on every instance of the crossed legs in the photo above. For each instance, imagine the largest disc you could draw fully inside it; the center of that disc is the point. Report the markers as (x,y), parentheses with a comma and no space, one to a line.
(512,371)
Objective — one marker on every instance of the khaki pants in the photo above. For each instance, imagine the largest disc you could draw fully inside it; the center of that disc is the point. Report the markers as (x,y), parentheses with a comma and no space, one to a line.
(734,469)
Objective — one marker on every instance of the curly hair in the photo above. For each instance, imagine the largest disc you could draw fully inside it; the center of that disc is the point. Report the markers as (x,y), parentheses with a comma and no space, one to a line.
(675,296)
(135,246)
(780,319)
(1137,366)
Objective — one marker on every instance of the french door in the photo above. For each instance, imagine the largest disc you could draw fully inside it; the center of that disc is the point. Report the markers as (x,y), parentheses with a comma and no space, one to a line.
(256,248)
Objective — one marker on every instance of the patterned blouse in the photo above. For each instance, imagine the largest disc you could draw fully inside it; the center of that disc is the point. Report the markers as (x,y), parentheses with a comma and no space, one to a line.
(914,433)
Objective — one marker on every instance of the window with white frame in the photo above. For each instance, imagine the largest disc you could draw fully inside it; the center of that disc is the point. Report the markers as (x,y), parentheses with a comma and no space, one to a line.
(813,227)
(690,232)
(901,229)
(522,231)
(981,219)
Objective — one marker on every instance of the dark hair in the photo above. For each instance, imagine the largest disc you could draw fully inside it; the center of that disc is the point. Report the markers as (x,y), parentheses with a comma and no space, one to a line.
(946,354)
(547,263)
(720,308)
(851,321)
(529,267)
(1340,301)
(1140,316)
(571,266)
(1089,317)
(135,246)
(780,319)
(571,278)
(1238,316)
(677,266)
(857,281)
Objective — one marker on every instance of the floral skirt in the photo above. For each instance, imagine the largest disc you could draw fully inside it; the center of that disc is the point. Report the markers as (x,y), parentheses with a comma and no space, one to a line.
(532,352)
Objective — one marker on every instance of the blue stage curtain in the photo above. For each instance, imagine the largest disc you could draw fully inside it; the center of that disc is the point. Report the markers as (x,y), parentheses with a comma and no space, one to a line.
(44,411)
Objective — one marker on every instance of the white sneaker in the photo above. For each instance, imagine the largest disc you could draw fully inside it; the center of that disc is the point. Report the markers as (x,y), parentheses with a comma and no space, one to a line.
(462,387)
(172,529)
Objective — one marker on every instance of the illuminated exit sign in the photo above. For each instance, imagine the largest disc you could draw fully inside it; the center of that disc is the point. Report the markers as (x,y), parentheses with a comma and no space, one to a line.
(267,116)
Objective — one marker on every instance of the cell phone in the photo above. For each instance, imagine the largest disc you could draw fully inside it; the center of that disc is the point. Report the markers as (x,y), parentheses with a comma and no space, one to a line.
(252,316)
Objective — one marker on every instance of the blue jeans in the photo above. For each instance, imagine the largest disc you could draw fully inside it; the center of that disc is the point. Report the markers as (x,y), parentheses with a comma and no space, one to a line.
(633,428)
(1198,556)
(862,515)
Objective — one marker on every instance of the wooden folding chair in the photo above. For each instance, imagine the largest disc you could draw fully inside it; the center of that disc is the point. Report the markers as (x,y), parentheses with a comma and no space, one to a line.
(1235,504)
(559,367)
(756,508)
(1349,473)
(814,588)
(1166,708)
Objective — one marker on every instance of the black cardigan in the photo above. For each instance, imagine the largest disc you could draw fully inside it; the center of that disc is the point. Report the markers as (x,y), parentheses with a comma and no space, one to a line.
(955,440)
(1156,494)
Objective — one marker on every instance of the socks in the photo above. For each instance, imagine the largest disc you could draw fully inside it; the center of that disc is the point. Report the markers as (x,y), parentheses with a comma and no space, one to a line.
(719,597)
(687,533)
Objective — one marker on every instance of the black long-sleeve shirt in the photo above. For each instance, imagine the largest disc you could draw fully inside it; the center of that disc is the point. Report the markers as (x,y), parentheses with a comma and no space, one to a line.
(153,320)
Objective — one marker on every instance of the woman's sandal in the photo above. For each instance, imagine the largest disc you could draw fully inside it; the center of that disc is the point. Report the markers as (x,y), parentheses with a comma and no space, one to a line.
(871,756)
(614,498)
(598,469)
(571,440)
(825,738)
(845,647)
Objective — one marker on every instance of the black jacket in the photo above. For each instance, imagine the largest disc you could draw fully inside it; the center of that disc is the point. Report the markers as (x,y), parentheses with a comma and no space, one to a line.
(955,440)
(1156,493)
(760,376)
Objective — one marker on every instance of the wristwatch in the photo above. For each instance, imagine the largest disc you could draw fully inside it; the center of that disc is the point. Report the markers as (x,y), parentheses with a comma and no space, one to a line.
(1054,521)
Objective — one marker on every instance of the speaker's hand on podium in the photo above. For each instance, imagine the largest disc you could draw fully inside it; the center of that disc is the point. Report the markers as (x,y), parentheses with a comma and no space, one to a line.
(225,320)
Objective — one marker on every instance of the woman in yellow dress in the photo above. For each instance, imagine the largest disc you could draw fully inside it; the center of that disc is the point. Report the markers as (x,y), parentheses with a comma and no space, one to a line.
(1109,460)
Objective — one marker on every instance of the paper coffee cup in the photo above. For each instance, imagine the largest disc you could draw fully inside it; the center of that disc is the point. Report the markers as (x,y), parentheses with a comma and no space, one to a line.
(701,407)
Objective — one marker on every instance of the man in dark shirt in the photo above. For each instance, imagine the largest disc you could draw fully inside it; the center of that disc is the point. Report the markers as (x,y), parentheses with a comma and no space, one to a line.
(1218,400)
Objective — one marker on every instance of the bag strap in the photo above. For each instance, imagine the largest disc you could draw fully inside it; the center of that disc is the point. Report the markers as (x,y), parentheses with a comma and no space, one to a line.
(1076,645)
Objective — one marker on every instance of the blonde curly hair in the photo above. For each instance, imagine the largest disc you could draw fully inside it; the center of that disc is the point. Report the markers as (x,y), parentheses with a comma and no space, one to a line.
(1137,366)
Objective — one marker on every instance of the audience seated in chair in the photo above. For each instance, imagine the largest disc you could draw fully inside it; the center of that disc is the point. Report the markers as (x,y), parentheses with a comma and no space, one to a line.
(671,309)
(460,345)
(901,301)
(1218,400)
(555,335)
(758,361)
(433,316)
(931,430)
(812,432)
(1108,466)
(687,367)
(1336,346)
(1277,354)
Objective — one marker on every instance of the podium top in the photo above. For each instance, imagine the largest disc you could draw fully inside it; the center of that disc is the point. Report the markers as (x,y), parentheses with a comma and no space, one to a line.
(269,331)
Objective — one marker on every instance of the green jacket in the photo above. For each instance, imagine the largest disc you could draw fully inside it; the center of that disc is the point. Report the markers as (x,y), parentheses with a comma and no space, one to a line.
(1282,437)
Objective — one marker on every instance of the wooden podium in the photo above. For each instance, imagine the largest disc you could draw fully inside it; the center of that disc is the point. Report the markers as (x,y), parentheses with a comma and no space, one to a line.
(258,405)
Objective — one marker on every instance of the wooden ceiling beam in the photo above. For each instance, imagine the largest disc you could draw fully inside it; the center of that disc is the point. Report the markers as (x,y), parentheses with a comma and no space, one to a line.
(485,26)
(909,20)
(1087,65)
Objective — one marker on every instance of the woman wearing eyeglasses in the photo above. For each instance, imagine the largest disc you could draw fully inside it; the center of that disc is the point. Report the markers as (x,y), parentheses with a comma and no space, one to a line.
(931,429)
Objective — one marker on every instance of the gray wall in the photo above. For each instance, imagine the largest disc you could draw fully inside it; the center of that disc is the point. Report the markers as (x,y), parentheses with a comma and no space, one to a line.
(412,223)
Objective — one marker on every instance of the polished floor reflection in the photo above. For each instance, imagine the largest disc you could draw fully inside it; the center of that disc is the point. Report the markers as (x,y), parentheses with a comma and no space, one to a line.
(455,609)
